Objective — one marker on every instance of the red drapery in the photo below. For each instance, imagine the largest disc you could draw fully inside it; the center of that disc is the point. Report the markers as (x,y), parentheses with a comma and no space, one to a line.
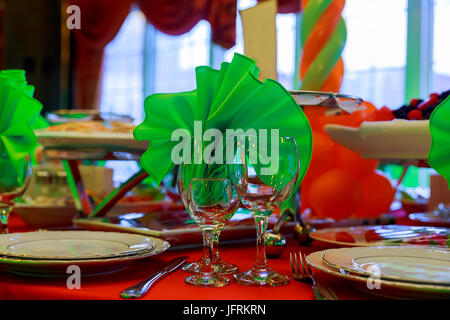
(288,6)
(101,21)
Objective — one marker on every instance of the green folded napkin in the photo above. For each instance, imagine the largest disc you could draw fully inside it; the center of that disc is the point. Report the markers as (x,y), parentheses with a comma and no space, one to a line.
(229,98)
(439,154)
(18,112)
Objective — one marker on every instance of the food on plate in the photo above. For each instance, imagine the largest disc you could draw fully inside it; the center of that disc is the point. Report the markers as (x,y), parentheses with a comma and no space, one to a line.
(419,109)
(372,236)
(426,237)
(93,126)
(343,236)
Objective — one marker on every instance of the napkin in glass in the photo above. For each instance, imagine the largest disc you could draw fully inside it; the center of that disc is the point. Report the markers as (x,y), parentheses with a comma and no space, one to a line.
(229,98)
(439,154)
(18,112)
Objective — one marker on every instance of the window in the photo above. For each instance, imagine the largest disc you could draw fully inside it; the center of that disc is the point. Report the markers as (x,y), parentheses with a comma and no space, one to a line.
(441,46)
(142,60)
(175,59)
(122,87)
(375,52)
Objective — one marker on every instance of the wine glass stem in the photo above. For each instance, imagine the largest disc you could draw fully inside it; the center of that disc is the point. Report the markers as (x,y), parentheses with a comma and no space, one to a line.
(215,245)
(208,249)
(261,220)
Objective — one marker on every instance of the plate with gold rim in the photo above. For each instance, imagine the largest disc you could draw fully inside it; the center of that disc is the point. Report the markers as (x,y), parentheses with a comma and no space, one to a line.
(407,264)
(88,267)
(383,288)
(73,245)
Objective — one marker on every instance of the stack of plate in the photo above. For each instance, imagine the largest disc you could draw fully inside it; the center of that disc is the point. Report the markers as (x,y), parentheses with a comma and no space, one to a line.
(380,236)
(394,272)
(50,253)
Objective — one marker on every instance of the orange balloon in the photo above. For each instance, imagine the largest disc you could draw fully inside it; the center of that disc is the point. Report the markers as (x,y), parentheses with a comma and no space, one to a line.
(335,194)
(322,154)
(352,162)
(377,195)
(304,195)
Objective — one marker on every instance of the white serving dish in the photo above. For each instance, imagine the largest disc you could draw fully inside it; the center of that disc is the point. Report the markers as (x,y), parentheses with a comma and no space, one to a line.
(397,139)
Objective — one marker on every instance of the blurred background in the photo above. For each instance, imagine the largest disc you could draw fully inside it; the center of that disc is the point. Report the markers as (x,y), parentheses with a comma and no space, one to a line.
(396,50)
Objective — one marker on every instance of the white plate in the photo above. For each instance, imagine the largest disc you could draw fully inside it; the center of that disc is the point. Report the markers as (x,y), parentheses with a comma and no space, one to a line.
(428,266)
(434,218)
(387,288)
(397,139)
(384,235)
(73,245)
(98,140)
(88,267)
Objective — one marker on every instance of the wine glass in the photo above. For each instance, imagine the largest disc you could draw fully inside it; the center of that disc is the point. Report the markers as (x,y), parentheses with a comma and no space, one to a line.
(262,190)
(12,185)
(211,201)
(219,265)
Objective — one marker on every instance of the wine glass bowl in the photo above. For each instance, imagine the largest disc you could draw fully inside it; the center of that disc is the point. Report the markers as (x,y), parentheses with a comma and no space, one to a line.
(211,201)
(262,192)
(12,185)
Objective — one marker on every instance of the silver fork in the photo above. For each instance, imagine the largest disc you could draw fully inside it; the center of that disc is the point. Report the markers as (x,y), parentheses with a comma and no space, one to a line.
(305,274)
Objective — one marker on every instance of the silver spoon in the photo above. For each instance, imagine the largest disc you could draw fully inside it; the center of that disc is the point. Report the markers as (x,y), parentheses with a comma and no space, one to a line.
(302,229)
(274,240)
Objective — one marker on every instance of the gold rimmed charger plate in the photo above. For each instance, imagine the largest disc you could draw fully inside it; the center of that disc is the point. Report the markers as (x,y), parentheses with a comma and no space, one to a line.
(386,235)
(73,245)
(88,267)
(387,288)
(405,264)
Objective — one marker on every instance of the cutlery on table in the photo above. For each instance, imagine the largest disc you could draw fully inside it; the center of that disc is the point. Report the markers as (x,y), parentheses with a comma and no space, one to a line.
(304,273)
(139,289)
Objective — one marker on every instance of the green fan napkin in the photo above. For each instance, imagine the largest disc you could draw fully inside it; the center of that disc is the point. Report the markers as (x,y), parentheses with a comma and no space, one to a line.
(229,98)
(18,112)
(439,155)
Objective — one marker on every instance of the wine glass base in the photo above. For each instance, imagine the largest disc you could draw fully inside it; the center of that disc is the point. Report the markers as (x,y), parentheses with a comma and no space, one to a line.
(203,280)
(221,267)
(227,268)
(261,278)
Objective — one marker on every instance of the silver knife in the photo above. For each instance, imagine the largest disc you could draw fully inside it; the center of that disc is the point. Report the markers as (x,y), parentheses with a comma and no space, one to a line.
(138,290)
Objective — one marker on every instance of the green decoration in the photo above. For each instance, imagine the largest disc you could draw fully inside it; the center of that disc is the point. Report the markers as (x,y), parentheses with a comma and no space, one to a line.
(325,55)
(439,155)
(18,113)
(229,98)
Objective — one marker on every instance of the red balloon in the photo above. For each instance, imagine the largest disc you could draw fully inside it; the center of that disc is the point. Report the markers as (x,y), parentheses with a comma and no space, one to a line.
(377,195)
(335,194)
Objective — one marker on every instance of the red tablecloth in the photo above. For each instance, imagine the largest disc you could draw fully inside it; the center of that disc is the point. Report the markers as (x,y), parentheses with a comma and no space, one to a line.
(173,287)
